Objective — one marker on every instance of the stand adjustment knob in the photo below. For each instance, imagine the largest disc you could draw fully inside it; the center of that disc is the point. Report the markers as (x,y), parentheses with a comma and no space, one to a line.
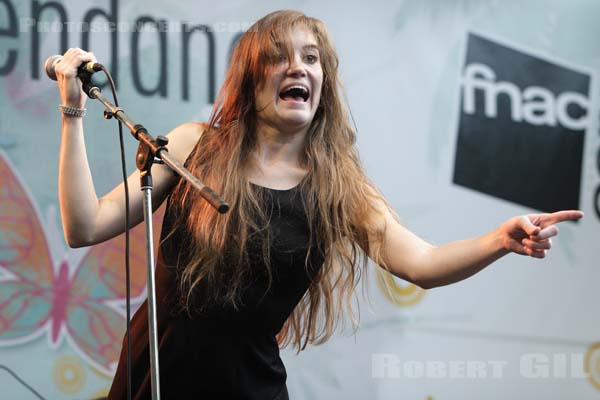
(162,140)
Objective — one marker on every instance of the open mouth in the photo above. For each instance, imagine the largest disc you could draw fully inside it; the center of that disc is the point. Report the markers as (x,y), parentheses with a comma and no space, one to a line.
(295,93)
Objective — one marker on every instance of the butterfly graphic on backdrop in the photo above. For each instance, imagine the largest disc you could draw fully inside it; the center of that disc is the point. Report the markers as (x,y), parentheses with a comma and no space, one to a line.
(82,301)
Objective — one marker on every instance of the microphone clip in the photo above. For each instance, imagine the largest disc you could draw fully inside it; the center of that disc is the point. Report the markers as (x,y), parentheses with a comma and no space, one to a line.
(87,85)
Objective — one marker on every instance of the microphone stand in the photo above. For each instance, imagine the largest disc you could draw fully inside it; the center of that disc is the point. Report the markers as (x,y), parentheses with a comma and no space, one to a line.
(150,151)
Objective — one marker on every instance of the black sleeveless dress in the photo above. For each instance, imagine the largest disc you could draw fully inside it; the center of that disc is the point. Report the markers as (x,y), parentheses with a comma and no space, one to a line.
(226,353)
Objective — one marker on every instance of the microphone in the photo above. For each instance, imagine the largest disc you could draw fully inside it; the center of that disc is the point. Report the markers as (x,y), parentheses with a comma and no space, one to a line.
(86,68)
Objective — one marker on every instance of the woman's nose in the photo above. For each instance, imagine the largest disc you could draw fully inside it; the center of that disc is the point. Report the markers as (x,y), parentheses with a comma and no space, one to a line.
(296,67)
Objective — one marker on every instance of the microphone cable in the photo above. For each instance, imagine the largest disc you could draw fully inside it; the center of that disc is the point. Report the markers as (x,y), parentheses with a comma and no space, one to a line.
(127,223)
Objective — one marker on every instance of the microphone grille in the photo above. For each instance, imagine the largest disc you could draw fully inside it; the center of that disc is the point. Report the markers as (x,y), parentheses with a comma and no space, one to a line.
(49,66)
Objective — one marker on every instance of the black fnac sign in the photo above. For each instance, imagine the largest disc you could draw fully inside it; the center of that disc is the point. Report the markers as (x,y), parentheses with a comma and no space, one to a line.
(522,126)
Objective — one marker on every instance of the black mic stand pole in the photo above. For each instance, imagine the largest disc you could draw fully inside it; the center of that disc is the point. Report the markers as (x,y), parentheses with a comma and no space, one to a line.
(149,151)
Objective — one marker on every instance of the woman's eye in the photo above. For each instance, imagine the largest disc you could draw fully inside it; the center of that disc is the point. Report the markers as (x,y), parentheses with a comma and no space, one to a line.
(279,57)
(311,58)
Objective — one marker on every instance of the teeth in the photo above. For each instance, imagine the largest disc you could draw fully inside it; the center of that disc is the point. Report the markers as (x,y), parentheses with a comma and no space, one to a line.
(295,87)
(305,93)
(299,87)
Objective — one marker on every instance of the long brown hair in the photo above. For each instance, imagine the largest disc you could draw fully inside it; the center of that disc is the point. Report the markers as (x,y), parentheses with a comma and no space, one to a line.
(338,196)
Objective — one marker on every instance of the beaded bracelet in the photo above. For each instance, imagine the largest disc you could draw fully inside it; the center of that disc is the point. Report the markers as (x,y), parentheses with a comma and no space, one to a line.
(69,111)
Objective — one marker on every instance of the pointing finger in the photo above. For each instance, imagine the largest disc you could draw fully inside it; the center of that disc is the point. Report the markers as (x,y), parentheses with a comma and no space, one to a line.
(561,216)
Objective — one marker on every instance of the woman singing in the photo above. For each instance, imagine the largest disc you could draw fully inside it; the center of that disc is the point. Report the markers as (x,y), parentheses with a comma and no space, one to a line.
(280,268)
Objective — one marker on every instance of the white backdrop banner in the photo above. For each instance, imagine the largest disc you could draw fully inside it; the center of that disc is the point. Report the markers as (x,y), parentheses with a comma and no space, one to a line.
(468,113)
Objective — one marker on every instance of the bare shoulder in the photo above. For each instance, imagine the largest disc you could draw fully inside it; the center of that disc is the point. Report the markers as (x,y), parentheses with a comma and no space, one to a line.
(184,137)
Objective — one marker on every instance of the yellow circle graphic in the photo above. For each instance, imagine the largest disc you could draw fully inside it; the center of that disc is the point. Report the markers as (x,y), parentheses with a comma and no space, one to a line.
(592,364)
(404,295)
(69,374)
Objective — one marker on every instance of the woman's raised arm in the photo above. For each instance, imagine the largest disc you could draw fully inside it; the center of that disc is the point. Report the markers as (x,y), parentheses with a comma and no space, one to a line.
(88,219)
